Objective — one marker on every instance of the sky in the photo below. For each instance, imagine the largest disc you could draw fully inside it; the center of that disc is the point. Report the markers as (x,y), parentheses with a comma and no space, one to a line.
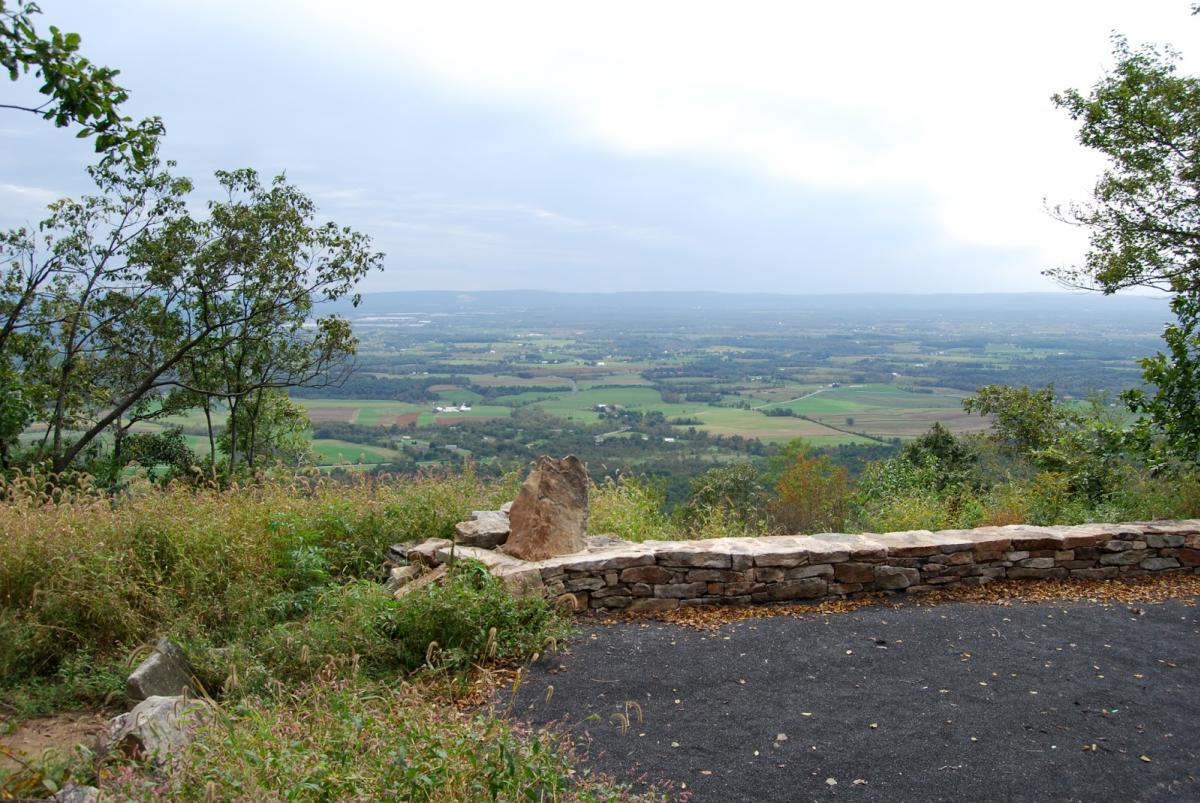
(792,147)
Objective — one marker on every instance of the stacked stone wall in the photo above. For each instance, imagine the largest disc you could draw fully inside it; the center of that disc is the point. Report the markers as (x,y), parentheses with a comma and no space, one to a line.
(662,575)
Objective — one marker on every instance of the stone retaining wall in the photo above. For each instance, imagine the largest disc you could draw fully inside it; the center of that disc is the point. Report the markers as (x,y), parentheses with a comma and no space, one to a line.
(661,575)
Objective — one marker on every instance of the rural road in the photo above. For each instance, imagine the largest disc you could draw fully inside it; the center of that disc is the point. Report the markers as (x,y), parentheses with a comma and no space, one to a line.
(960,701)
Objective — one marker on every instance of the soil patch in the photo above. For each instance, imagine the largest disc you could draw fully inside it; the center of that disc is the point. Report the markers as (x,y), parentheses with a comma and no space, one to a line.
(60,732)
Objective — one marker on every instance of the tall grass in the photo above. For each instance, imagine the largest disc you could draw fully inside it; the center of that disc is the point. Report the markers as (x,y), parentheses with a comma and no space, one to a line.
(86,581)
(346,739)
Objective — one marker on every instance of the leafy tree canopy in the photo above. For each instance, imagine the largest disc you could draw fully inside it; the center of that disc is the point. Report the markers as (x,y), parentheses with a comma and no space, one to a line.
(77,91)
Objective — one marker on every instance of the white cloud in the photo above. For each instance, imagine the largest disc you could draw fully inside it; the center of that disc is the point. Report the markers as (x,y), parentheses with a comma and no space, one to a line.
(945,101)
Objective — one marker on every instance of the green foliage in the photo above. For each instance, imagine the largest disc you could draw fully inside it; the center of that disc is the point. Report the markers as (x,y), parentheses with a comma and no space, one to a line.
(268,426)
(1145,119)
(356,740)
(77,91)
(126,307)
(727,494)
(95,579)
(952,460)
(470,619)
(1172,412)
(630,508)
(1088,446)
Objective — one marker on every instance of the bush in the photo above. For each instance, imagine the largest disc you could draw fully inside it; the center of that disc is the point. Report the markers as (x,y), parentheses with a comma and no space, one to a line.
(470,619)
(629,508)
(812,495)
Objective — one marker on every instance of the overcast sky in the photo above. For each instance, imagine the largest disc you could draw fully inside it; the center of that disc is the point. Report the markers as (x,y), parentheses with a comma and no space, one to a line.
(789,146)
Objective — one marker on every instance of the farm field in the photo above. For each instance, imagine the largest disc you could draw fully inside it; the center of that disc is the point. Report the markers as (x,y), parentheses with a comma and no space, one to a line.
(684,383)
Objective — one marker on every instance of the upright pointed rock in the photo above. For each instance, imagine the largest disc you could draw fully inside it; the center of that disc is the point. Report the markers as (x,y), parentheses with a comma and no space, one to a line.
(549,516)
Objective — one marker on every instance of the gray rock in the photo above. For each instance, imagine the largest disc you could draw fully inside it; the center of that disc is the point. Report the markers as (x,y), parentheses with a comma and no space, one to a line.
(1123,558)
(895,578)
(1158,564)
(549,516)
(486,529)
(596,541)
(165,673)
(74,793)
(157,728)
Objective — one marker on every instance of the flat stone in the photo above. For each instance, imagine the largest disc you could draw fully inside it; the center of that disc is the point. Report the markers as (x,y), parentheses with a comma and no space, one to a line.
(800,572)
(400,575)
(653,605)
(1158,564)
(425,552)
(854,572)
(808,588)
(1018,573)
(429,578)
(1189,557)
(713,576)
(1032,538)
(909,543)
(680,590)
(1096,574)
(1129,558)
(602,559)
(584,584)
(700,557)
(895,578)
(1182,527)
(487,529)
(165,673)
(654,575)
(74,793)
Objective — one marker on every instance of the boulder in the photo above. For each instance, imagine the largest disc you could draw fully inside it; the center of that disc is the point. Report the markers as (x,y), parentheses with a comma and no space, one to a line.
(165,673)
(155,729)
(486,529)
(424,553)
(549,516)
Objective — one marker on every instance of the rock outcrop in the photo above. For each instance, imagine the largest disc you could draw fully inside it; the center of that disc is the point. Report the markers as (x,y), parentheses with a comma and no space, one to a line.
(549,516)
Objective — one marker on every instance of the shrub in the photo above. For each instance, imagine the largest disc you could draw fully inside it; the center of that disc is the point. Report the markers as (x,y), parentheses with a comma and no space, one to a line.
(812,495)
(472,618)
(630,508)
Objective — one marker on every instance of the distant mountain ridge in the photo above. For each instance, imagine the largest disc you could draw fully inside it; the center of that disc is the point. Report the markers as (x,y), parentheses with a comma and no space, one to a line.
(1125,309)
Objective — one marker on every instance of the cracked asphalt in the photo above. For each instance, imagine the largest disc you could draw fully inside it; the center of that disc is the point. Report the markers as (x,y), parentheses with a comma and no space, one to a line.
(959,701)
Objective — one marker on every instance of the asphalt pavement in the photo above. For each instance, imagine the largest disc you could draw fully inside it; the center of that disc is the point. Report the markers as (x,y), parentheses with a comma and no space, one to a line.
(959,701)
